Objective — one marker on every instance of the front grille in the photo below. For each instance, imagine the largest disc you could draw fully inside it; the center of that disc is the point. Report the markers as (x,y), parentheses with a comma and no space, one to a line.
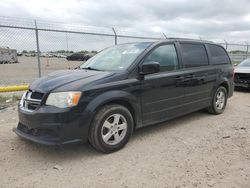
(244,76)
(31,100)
(36,95)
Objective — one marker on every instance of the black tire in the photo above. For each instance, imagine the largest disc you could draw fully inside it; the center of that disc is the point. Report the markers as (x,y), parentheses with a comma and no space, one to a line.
(97,128)
(213,108)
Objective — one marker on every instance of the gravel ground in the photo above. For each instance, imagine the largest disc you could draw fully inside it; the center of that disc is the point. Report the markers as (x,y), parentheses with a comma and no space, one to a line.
(26,70)
(197,150)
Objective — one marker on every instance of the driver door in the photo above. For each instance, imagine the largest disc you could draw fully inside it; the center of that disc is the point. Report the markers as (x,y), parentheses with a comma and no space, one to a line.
(163,92)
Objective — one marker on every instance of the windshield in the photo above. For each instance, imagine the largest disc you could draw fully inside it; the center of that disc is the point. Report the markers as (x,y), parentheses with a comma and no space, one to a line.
(116,58)
(245,63)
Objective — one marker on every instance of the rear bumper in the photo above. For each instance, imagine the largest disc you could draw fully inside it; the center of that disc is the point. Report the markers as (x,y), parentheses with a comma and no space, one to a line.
(231,89)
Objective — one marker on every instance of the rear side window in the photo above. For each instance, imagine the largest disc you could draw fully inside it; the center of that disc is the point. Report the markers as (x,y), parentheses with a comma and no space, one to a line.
(166,56)
(194,55)
(218,55)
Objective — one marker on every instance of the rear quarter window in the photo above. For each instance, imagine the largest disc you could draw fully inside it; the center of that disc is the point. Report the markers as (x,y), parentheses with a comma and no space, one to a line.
(218,55)
(194,55)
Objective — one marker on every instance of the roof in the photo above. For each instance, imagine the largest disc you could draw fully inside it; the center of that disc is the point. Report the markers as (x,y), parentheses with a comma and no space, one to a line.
(190,40)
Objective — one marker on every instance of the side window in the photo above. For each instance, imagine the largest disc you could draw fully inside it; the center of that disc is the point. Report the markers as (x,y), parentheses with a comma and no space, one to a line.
(218,55)
(194,55)
(166,56)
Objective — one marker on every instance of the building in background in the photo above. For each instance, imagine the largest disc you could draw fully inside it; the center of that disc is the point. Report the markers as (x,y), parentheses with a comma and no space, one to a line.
(8,56)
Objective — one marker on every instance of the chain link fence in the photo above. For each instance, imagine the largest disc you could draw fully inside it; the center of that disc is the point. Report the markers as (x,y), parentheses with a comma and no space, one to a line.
(30,49)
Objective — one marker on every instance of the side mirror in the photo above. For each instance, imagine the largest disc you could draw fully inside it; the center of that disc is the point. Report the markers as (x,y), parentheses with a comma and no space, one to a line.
(235,64)
(149,68)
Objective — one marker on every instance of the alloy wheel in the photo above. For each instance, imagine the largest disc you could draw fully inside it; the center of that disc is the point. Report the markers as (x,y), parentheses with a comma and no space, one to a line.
(220,100)
(114,129)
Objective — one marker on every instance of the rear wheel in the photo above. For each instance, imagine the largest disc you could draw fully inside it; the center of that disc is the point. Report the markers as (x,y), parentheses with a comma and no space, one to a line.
(111,128)
(219,101)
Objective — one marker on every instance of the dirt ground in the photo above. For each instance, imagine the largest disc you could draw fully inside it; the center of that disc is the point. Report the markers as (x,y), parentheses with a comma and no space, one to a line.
(197,150)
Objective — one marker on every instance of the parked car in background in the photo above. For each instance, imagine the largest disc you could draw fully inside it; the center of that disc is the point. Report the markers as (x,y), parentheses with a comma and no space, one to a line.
(123,88)
(79,57)
(61,56)
(242,74)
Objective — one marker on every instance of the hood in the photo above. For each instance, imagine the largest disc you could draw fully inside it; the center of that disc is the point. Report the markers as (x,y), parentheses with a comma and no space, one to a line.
(66,77)
(242,70)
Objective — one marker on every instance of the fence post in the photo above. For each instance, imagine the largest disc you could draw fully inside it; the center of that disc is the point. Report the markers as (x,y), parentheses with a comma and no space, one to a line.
(38,51)
(115,35)
(225,43)
(247,50)
(67,41)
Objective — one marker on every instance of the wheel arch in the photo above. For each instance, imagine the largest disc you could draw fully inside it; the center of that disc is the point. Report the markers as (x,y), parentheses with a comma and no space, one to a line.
(225,85)
(223,82)
(117,97)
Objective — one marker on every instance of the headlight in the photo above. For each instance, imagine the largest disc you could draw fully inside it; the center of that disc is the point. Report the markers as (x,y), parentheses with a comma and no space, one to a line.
(63,99)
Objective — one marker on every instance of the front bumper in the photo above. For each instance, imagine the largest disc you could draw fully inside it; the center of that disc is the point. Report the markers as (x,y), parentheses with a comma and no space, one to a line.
(32,136)
(241,84)
(242,80)
(53,126)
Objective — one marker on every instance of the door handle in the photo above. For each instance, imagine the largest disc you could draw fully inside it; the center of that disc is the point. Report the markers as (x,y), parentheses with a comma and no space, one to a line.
(189,76)
(179,78)
(201,77)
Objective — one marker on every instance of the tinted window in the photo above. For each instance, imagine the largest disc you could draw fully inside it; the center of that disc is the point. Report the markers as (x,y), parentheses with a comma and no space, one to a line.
(166,56)
(194,55)
(218,55)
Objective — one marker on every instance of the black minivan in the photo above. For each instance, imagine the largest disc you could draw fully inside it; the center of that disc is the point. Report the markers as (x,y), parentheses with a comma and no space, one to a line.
(123,88)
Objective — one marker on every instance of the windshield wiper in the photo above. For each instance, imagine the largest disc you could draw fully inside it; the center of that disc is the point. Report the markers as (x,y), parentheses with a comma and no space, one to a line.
(90,68)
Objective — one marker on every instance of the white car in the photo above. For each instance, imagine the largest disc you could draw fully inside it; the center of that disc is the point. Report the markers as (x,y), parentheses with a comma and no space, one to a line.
(242,74)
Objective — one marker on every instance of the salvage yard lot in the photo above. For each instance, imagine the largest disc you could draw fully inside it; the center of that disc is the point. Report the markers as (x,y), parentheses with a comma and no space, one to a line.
(197,150)
(26,70)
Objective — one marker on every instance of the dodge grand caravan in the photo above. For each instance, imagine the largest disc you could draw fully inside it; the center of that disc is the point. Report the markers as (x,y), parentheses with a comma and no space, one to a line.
(123,88)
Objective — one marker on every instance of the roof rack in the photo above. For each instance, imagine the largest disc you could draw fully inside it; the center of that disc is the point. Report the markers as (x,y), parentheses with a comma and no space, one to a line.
(188,39)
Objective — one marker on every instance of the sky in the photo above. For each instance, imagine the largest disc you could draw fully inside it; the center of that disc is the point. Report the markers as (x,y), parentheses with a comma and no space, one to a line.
(207,19)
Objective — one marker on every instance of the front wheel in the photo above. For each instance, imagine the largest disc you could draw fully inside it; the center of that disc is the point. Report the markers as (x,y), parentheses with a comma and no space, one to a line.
(111,128)
(219,101)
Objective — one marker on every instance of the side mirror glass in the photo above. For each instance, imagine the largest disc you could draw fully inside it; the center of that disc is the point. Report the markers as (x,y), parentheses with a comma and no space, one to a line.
(149,68)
